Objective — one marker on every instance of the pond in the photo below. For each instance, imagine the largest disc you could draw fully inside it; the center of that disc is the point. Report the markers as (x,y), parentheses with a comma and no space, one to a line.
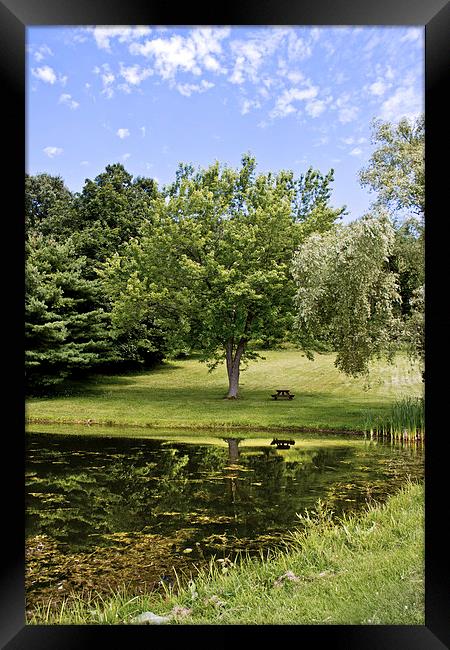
(109,512)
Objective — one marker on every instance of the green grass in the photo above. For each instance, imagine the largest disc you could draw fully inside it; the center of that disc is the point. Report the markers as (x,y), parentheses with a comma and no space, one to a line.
(183,394)
(365,569)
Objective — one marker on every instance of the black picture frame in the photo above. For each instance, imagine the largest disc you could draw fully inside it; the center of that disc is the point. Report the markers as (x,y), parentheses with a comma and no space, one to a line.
(434,15)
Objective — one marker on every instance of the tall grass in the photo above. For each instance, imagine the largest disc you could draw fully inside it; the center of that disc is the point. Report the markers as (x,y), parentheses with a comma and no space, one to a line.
(405,420)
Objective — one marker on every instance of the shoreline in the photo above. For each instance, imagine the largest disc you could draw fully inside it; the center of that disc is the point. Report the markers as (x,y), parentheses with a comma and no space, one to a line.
(186,427)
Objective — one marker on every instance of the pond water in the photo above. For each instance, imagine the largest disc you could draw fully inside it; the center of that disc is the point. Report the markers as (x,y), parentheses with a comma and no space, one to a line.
(105,512)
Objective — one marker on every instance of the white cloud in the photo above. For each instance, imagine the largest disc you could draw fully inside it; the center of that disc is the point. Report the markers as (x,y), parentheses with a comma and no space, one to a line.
(193,53)
(170,55)
(378,88)
(42,52)
(66,99)
(413,35)
(405,102)
(295,76)
(207,44)
(348,114)
(188,89)
(315,108)
(45,74)
(51,152)
(134,74)
(284,105)
(103,35)
(142,129)
(126,156)
(123,133)
(85,163)
(357,151)
(372,43)
(250,54)
(297,47)
(79,35)
(248,104)
(107,77)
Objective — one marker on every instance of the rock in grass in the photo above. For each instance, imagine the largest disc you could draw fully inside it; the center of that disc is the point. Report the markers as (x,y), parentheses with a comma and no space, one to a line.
(180,611)
(289,575)
(149,618)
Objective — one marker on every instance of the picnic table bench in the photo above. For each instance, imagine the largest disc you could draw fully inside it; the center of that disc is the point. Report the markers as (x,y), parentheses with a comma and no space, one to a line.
(283,393)
(282,444)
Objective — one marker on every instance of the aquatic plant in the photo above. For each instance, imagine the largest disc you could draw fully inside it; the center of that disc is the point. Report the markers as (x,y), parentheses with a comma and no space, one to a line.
(405,420)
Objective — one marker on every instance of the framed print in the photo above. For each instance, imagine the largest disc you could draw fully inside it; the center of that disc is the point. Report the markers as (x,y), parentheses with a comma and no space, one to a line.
(206,192)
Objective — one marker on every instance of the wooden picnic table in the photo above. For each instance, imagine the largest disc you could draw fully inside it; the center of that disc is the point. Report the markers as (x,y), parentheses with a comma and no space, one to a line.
(283,392)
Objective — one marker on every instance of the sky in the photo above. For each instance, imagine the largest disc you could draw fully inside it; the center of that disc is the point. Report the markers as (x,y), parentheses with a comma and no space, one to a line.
(151,97)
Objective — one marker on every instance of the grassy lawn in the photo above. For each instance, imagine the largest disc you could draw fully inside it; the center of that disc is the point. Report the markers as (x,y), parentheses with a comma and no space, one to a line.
(365,569)
(183,394)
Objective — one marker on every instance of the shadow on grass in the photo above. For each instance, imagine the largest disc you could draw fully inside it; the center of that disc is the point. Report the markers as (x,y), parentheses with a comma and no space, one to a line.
(77,387)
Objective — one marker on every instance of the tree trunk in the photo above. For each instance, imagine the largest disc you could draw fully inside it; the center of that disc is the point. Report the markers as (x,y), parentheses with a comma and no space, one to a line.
(233,367)
(233,450)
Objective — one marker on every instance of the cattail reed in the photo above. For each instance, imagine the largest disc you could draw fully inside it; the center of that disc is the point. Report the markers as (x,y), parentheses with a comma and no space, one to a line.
(406,421)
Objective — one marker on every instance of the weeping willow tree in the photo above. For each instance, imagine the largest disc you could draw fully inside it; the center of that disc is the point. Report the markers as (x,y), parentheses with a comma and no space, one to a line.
(347,294)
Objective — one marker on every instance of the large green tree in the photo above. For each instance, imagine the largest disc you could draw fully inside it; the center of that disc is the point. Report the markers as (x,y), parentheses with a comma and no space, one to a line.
(347,294)
(49,205)
(64,332)
(396,174)
(361,287)
(109,211)
(68,321)
(396,169)
(212,270)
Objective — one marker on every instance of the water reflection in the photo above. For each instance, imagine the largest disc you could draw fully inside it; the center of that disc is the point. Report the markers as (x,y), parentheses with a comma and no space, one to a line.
(111,499)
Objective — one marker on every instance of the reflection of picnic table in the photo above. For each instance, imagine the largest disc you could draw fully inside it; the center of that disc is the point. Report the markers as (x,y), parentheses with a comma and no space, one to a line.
(283,393)
(282,444)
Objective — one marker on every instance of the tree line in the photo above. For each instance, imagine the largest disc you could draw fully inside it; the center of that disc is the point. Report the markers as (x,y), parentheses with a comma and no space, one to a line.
(224,262)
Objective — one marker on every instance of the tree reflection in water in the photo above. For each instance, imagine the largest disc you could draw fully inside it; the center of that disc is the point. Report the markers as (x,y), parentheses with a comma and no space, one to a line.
(197,499)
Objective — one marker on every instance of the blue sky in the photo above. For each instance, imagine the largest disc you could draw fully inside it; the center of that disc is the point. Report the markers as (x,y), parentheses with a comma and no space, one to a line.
(151,97)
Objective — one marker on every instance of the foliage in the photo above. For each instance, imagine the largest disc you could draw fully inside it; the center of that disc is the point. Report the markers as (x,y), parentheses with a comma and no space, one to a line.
(396,171)
(68,324)
(48,203)
(212,269)
(415,325)
(109,211)
(64,332)
(346,293)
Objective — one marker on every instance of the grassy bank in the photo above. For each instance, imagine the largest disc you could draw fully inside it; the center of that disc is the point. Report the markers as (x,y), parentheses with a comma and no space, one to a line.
(183,394)
(365,569)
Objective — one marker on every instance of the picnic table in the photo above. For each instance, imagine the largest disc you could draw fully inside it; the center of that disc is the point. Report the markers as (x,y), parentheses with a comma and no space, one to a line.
(283,393)
(282,444)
